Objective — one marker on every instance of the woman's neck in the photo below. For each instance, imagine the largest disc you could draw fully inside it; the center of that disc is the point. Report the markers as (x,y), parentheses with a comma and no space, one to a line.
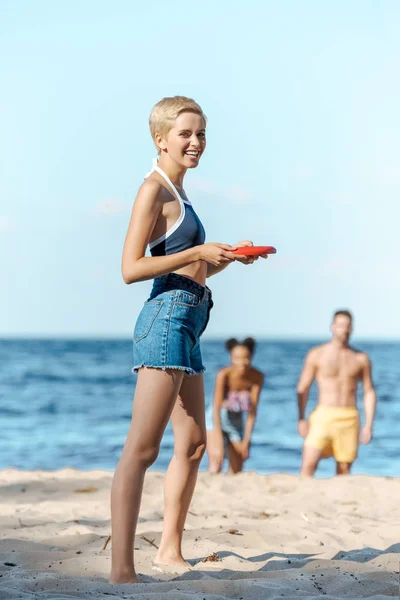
(174,172)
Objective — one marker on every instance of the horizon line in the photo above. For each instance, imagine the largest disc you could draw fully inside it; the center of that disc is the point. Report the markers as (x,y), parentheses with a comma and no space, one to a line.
(214,338)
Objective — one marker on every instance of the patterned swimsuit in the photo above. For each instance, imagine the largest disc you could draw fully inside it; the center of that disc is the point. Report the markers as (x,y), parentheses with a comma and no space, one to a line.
(235,404)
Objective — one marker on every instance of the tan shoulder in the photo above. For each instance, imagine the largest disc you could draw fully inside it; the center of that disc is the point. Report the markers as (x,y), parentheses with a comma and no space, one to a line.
(363,358)
(315,353)
(157,185)
(151,190)
(224,372)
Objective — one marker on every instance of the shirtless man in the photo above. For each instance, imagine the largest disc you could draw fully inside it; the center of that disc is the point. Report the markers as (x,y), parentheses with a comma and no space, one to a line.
(334,426)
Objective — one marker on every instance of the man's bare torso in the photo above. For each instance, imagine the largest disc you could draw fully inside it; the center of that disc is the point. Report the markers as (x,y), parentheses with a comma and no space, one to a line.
(337,372)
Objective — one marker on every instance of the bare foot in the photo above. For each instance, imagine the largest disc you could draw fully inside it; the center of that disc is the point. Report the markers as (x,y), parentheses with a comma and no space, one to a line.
(171,563)
(123,577)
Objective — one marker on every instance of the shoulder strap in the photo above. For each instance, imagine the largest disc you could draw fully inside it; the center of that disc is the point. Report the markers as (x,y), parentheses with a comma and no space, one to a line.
(155,167)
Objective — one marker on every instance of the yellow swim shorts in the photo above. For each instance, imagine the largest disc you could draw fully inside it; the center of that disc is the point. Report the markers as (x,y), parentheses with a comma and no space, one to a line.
(335,431)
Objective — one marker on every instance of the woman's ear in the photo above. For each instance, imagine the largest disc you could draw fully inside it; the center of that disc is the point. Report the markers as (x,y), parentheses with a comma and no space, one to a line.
(160,142)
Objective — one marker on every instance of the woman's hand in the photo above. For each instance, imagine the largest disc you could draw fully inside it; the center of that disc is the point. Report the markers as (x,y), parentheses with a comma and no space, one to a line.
(246,260)
(216,254)
(215,450)
(244,449)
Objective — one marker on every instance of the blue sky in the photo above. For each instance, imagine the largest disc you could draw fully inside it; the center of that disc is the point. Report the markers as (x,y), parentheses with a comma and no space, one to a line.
(303,153)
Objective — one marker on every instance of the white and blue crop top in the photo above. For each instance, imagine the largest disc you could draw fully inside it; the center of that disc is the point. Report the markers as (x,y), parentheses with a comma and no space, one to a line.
(188,230)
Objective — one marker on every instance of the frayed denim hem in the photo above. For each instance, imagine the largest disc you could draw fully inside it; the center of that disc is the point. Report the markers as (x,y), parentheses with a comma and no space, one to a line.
(188,371)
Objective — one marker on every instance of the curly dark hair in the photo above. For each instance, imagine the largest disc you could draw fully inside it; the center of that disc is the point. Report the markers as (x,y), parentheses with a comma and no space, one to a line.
(249,343)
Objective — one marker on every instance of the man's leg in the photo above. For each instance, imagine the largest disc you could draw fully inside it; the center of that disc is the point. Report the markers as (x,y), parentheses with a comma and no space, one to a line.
(343,468)
(345,441)
(311,458)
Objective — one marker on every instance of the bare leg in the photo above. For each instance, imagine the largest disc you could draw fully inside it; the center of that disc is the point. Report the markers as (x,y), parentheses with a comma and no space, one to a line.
(235,458)
(155,396)
(311,458)
(188,422)
(343,468)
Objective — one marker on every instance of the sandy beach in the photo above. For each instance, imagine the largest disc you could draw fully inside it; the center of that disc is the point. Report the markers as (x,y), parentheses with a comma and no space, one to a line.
(273,536)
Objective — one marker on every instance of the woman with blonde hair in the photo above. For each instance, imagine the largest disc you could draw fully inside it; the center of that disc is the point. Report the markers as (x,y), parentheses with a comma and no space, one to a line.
(166,339)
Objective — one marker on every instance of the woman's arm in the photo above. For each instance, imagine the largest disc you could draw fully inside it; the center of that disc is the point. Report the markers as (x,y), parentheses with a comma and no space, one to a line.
(219,396)
(136,266)
(251,415)
(213,270)
(215,440)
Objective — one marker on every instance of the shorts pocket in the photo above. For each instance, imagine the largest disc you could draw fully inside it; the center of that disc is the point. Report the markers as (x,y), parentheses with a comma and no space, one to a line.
(146,318)
(185,298)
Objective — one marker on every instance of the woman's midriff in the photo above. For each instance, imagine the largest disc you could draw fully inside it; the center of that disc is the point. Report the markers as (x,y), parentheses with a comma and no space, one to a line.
(196,271)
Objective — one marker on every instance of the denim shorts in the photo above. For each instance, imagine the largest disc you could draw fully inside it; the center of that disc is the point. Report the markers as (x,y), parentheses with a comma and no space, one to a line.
(168,329)
(232,425)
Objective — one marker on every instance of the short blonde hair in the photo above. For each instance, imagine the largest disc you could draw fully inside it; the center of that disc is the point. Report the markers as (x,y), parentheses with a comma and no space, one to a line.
(165,113)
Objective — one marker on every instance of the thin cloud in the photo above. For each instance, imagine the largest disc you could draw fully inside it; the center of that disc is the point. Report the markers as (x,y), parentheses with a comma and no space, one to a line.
(292,262)
(235,194)
(238,195)
(112,208)
(389,173)
(339,198)
(303,173)
(7,225)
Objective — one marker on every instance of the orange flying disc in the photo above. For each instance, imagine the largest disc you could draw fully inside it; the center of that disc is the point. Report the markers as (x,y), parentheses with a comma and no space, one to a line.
(254,250)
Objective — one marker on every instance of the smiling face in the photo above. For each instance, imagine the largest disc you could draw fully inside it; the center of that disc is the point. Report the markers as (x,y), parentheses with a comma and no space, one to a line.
(241,357)
(185,141)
